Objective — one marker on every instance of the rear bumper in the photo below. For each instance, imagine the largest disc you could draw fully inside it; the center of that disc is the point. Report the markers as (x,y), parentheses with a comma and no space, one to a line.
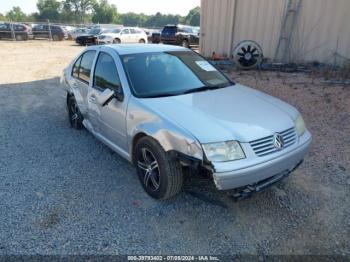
(252,174)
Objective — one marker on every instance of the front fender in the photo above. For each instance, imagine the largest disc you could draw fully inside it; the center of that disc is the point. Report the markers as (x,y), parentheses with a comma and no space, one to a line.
(170,136)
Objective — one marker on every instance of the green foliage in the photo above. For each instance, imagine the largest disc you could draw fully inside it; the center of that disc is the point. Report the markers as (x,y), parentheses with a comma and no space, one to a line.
(104,13)
(80,9)
(48,9)
(193,17)
(98,11)
(142,20)
(2,17)
(16,14)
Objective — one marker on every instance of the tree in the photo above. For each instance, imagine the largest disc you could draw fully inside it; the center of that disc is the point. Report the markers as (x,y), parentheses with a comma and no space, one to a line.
(80,8)
(16,14)
(48,9)
(2,17)
(104,13)
(193,17)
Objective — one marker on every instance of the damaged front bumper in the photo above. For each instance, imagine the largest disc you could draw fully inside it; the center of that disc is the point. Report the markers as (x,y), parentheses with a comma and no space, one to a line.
(254,169)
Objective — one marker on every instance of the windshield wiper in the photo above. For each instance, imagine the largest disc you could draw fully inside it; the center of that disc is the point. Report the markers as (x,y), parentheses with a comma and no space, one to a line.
(194,90)
(204,88)
(161,95)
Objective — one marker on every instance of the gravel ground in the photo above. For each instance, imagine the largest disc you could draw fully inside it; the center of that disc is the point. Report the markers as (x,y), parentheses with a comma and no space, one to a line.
(63,192)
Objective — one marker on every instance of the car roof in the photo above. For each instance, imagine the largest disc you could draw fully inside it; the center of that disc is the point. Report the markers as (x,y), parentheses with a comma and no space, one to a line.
(127,49)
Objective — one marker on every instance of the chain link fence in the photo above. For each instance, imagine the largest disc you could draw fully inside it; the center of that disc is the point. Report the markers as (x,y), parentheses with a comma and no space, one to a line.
(49,30)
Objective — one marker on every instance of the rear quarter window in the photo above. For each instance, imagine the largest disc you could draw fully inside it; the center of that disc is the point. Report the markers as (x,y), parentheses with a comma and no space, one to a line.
(85,66)
(82,67)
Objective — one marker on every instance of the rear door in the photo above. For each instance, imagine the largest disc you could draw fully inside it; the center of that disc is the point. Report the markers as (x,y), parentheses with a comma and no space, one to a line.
(109,120)
(81,78)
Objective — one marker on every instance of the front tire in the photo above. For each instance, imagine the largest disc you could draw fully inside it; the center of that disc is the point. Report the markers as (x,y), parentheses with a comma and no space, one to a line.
(142,41)
(185,43)
(160,175)
(19,38)
(75,117)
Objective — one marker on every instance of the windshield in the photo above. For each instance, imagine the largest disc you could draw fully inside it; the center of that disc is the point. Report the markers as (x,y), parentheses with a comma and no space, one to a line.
(94,31)
(171,73)
(116,31)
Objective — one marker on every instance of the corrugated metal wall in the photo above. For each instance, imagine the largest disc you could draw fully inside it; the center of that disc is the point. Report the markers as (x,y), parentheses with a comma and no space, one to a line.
(322,28)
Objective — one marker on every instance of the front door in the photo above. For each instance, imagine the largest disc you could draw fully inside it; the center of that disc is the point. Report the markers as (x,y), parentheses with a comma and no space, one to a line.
(125,36)
(109,120)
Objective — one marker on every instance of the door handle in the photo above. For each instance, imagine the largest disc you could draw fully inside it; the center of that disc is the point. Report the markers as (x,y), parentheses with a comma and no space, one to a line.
(92,99)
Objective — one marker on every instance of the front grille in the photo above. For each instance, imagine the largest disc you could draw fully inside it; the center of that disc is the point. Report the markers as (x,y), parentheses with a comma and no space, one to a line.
(265,146)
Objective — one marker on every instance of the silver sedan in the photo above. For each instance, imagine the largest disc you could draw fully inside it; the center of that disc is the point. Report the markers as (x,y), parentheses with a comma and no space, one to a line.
(165,107)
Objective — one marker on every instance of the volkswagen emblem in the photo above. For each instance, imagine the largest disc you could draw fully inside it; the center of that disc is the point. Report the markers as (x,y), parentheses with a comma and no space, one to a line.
(278,141)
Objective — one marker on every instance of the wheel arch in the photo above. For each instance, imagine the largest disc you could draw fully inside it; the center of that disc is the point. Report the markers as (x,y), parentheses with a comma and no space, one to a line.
(170,139)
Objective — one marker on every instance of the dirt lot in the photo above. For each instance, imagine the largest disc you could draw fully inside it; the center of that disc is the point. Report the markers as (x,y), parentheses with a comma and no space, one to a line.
(63,192)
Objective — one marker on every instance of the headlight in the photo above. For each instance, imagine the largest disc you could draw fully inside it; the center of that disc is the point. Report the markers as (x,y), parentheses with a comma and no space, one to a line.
(300,125)
(223,151)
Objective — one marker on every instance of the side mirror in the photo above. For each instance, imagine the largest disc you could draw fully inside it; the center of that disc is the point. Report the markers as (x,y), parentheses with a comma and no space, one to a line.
(107,95)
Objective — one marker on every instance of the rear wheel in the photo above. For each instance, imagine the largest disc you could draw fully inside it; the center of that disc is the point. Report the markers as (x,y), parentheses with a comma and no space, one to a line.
(160,175)
(75,117)
(142,41)
(116,41)
(55,38)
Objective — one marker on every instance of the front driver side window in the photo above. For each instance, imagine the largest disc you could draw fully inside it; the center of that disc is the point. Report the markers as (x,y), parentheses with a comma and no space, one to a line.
(106,74)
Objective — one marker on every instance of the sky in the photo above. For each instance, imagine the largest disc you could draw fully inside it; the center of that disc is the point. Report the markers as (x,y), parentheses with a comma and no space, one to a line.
(137,6)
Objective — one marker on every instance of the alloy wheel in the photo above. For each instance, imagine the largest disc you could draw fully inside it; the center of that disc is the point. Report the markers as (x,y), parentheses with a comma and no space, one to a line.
(73,113)
(149,168)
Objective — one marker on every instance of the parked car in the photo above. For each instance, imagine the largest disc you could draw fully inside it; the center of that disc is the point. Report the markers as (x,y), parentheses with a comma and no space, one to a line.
(90,38)
(123,35)
(20,31)
(151,34)
(58,33)
(77,32)
(156,38)
(164,107)
(182,35)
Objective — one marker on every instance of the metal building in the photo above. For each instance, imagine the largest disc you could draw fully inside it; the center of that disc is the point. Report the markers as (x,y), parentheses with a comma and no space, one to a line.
(287,30)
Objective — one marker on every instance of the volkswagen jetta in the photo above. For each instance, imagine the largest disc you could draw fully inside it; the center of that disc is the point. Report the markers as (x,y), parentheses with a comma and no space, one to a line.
(165,107)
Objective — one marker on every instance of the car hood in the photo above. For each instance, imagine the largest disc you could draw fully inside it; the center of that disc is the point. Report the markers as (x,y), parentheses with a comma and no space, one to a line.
(233,113)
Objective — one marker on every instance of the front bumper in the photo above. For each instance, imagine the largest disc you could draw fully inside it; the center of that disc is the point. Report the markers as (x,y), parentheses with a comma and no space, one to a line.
(250,171)
(104,41)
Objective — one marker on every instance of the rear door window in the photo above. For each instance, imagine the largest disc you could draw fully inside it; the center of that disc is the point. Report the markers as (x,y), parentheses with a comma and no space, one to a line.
(106,74)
